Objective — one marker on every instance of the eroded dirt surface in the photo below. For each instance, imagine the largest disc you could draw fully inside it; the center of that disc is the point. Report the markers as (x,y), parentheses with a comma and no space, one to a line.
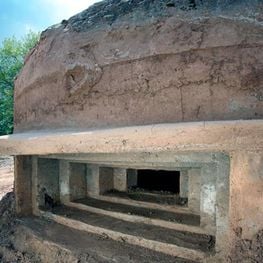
(8,224)
(246,250)
(6,175)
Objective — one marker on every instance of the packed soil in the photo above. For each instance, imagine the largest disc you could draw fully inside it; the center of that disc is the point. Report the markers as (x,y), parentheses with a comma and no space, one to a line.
(247,250)
(6,175)
(8,224)
(8,219)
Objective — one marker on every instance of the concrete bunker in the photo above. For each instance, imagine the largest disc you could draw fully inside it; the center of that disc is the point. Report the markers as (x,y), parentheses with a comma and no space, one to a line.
(96,184)
(113,106)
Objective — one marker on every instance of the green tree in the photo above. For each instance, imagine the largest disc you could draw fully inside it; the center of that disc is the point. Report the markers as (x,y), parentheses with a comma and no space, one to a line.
(12,54)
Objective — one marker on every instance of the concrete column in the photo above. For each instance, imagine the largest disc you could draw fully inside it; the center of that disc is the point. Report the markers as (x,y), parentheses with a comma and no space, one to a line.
(120,179)
(23,185)
(35,190)
(93,179)
(208,198)
(184,184)
(222,203)
(194,183)
(132,177)
(64,177)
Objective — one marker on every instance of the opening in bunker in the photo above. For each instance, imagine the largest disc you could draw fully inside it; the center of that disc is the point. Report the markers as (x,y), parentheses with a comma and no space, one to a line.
(159,180)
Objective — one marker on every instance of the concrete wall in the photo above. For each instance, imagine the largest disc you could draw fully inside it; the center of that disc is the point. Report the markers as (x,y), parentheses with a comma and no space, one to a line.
(48,179)
(23,185)
(132,177)
(77,181)
(106,179)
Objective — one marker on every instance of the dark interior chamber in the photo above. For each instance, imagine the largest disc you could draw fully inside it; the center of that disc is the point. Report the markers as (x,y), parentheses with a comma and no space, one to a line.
(159,180)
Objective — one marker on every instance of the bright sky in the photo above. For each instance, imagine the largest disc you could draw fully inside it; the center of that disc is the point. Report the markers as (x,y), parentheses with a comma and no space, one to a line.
(17,17)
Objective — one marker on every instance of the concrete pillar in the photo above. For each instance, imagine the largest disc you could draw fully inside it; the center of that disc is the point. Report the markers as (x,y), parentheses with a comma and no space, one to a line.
(64,176)
(194,184)
(208,198)
(23,185)
(93,179)
(222,203)
(132,177)
(35,190)
(120,179)
(184,184)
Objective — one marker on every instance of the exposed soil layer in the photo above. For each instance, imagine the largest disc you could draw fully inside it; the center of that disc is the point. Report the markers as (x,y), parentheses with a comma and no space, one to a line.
(107,12)
(8,223)
(152,197)
(184,239)
(6,175)
(189,219)
(246,250)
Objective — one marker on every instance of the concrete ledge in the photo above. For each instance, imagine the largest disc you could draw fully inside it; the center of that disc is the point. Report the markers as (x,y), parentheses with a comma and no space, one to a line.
(139,219)
(193,136)
(119,200)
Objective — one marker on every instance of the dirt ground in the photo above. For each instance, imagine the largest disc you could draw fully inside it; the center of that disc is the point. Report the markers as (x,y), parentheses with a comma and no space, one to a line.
(6,175)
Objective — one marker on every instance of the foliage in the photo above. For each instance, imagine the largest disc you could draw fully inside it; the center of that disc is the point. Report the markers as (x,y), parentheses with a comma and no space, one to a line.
(12,54)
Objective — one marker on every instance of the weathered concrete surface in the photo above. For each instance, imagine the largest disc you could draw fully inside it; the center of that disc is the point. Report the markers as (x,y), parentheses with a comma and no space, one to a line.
(200,136)
(194,179)
(106,179)
(77,181)
(23,185)
(184,184)
(64,181)
(47,181)
(120,179)
(142,62)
